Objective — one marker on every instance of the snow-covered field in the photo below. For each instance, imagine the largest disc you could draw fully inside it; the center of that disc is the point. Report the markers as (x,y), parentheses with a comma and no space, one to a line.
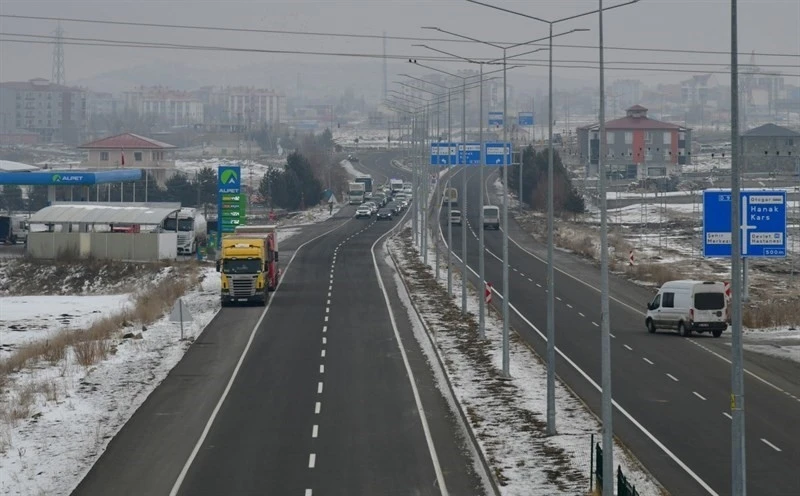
(76,410)
(507,417)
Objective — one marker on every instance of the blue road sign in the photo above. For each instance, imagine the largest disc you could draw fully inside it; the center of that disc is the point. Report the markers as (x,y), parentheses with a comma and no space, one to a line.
(495,118)
(525,118)
(762,225)
(494,154)
(443,154)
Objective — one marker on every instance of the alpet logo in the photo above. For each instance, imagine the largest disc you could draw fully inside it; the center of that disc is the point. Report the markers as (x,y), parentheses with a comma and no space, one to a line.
(56,178)
(229,176)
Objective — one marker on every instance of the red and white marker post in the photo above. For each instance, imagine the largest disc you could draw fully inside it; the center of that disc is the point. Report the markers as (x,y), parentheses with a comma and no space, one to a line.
(488,293)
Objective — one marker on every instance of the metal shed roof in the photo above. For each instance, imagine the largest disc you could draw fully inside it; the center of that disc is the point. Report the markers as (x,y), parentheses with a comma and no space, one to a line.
(105,213)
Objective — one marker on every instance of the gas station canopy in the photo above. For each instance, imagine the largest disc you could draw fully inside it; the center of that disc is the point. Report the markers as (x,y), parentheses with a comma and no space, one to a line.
(70,177)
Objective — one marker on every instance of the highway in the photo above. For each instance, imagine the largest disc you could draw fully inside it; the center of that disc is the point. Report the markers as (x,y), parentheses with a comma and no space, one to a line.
(323,392)
(674,391)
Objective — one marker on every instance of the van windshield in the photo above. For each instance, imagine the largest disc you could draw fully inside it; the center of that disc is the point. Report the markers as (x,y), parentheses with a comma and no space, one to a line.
(709,301)
(490,213)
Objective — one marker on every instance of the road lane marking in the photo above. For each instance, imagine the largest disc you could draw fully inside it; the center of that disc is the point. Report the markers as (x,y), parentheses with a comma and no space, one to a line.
(558,298)
(627,347)
(672,377)
(312,460)
(324,340)
(699,395)
(308,492)
(322,369)
(330,288)
(324,329)
(569,306)
(648,361)
(595,324)
(771,445)
(329,301)
(538,285)
(182,475)
(326,318)
(322,354)
(610,334)
(727,415)
(440,480)
(315,431)
(531,280)
(581,314)
(329,295)
(317,408)
(319,387)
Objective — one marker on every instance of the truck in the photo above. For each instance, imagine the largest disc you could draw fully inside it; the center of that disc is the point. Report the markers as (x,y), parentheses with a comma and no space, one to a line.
(366,180)
(192,229)
(248,265)
(14,229)
(396,185)
(355,193)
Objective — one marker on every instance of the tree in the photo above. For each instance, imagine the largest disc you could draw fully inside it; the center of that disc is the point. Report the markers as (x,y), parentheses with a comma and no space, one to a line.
(206,185)
(37,197)
(180,189)
(12,198)
(301,174)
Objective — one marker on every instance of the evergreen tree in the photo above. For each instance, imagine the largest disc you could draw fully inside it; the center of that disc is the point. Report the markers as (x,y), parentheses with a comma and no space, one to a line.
(206,185)
(180,189)
(37,197)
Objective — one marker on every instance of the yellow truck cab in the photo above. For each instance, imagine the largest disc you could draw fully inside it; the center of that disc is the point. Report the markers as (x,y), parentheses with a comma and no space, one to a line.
(248,264)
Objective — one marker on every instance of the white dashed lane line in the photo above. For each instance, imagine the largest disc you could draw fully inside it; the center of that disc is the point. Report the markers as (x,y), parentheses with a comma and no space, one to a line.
(319,387)
(531,280)
(770,445)
(317,408)
(698,395)
(727,415)
(672,377)
(309,493)
(627,347)
(322,353)
(569,306)
(312,460)
(648,361)
(581,314)
(595,324)
(315,431)
(322,369)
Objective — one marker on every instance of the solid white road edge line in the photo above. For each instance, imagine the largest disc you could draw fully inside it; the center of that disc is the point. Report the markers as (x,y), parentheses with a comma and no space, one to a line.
(637,311)
(177,486)
(594,384)
(423,419)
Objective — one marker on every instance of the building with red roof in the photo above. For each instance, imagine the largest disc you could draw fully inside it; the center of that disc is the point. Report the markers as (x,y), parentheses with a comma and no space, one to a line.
(131,150)
(637,147)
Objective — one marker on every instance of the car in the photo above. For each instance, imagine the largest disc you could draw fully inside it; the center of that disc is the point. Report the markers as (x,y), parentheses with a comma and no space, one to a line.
(394,207)
(384,214)
(455,217)
(372,206)
(404,203)
(363,211)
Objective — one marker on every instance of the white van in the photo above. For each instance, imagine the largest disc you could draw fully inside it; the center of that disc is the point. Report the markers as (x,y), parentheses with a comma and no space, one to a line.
(491,217)
(455,217)
(689,306)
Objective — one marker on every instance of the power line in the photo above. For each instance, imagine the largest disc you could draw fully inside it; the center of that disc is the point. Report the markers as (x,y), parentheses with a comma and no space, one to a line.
(374,36)
(524,63)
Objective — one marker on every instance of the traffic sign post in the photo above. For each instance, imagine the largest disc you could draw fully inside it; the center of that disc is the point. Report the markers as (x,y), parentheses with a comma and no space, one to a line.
(230,202)
(495,119)
(762,224)
(445,154)
(525,119)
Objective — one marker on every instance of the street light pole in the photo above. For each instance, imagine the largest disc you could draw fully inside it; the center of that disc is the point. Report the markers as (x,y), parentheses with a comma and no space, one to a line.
(481,248)
(506,334)
(464,274)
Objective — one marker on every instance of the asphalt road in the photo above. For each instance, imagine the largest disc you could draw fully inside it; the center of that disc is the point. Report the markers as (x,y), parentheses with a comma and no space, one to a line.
(676,389)
(323,401)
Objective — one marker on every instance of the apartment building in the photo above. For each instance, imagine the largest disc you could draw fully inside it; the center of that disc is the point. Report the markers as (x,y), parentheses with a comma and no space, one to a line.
(175,108)
(56,113)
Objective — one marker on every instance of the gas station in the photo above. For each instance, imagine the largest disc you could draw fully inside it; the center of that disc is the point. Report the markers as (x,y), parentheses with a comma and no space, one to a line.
(84,180)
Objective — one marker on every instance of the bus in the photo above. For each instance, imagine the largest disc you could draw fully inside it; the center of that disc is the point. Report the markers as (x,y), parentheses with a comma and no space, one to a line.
(450,196)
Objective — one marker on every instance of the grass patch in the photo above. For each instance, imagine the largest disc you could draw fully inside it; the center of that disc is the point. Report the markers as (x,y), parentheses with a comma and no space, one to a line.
(777,312)
(656,273)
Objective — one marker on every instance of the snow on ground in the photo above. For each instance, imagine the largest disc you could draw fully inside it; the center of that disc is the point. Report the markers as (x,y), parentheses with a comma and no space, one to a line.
(76,410)
(508,417)
(25,319)
(782,342)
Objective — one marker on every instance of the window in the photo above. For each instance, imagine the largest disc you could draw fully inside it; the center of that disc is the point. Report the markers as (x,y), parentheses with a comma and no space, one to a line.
(709,301)
(668,301)
(656,302)
(137,156)
(610,138)
(667,137)
(628,137)
(648,137)
(104,156)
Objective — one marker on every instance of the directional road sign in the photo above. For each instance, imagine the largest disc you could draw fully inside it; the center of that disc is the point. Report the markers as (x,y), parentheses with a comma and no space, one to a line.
(762,224)
(494,154)
(472,155)
(525,118)
(495,118)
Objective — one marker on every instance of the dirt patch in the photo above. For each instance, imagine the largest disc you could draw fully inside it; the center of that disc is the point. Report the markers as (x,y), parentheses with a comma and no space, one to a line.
(22,277)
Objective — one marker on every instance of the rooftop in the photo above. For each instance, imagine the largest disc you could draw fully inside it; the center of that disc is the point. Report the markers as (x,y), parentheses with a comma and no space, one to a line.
(9,166)
(36,84)
(771,131)
(127,140)
(105,213)
(635,118)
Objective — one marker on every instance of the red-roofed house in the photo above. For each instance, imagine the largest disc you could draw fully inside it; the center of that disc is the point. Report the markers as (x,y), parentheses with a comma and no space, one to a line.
(637,147)
(130,150)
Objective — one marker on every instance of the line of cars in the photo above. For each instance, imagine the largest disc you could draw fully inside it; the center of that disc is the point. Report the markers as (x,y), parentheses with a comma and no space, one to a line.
(386,203)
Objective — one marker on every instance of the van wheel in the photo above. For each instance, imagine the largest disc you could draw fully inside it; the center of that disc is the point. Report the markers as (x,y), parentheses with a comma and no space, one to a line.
(651,326)
(716,333)
(683,330)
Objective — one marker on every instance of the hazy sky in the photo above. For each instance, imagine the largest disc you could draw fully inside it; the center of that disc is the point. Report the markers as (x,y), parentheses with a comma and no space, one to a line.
(765,26)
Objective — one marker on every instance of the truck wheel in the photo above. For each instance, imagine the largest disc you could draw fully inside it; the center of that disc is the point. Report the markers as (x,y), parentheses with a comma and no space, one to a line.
(717,333)
(683,330)
(651,326)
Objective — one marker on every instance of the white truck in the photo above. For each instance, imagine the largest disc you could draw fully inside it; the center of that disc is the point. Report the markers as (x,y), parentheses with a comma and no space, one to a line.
(192,229)
(396,185)
(355,193)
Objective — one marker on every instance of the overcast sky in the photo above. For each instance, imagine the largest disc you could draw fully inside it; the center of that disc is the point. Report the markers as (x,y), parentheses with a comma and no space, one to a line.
(765,26)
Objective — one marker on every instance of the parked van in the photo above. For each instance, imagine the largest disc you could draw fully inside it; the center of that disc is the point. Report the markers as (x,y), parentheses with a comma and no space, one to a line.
(689,306)
(491,217)
(455,217)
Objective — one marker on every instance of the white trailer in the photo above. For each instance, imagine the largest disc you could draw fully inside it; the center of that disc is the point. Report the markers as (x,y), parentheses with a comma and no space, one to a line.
(192,229)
